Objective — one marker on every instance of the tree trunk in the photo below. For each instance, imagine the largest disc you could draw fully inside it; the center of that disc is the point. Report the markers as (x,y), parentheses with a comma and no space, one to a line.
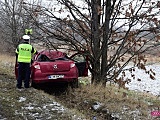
(95,32)
(105,38)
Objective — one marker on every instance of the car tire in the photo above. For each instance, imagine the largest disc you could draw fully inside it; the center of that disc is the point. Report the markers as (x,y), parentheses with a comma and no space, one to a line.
(75,84)
(33,84)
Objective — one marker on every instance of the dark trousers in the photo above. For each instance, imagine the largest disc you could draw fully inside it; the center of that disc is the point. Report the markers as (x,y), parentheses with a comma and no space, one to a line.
(23,74)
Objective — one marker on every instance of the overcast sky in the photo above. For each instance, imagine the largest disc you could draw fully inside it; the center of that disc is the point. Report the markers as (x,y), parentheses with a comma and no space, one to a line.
(56,8)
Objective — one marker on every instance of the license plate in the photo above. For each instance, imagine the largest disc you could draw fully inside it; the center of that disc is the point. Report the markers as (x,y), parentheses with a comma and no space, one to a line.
(55,76)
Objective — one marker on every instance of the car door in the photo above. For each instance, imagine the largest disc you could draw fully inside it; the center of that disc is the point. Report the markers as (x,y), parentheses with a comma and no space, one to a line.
(81,63)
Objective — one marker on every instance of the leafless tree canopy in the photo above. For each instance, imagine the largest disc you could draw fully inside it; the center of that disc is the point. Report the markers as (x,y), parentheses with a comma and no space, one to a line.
(111,34)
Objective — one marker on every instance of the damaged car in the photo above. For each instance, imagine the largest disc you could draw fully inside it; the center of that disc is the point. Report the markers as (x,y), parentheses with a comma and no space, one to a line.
(50,66)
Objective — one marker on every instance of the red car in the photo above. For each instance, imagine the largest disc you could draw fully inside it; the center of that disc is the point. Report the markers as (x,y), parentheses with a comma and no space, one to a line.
(55,66)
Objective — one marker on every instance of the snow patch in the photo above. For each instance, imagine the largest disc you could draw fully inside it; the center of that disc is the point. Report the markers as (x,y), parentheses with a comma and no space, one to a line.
(22,99)
(146,84)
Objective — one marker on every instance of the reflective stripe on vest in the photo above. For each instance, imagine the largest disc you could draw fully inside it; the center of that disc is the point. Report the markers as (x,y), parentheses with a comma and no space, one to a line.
(24,54)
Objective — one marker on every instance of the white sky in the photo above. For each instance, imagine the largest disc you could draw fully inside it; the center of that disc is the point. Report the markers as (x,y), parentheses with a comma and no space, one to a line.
(56,7)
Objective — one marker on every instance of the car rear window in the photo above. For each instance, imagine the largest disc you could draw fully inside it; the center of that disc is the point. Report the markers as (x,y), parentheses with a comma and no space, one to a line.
(42,58)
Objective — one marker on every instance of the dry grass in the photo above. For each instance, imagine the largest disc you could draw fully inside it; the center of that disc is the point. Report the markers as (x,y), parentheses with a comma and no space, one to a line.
(152,59)
(113,100)
(8,58)
(7,64)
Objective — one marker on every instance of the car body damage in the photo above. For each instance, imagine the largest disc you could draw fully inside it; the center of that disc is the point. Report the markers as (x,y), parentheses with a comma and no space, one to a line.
(55,66)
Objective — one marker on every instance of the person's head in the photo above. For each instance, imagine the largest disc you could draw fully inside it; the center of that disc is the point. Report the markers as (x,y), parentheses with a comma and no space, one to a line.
(26,38)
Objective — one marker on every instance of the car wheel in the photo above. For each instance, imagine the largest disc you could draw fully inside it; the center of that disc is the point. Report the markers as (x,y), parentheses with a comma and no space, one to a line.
(33,84)
(74,84)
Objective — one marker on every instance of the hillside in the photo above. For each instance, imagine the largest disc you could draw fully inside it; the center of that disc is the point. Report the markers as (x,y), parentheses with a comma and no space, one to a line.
(85,103)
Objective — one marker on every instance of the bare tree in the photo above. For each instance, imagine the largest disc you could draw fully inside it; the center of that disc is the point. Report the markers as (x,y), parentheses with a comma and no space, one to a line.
(14,20)
(10,22)
(111,33)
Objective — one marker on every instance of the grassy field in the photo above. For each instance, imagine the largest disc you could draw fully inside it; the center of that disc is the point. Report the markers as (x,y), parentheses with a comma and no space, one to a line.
(103,103)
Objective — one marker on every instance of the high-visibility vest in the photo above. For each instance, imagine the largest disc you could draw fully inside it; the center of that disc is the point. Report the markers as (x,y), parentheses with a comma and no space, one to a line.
(24,53)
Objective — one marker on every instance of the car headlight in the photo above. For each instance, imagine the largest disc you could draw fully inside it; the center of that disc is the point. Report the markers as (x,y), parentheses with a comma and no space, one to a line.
(37,66)
(72,65)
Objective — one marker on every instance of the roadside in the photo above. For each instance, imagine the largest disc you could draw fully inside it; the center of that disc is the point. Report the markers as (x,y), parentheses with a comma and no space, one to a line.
(84,103)
(31,104)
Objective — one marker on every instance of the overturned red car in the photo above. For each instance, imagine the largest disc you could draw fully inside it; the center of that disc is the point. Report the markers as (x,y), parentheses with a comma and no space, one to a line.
(55,66)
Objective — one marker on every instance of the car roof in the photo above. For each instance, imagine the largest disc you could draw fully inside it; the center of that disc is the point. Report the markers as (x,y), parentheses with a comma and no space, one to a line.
(53,54)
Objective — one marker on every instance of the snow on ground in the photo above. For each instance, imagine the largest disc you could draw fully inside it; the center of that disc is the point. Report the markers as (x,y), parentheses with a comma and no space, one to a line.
(146,84)
(46,110)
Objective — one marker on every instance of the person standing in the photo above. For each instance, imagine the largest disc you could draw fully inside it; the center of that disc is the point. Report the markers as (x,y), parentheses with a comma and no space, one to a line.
(24,53)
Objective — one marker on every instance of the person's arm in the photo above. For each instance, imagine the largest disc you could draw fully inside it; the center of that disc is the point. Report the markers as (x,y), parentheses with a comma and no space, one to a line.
(16,57)
(17,52)
(34,51)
